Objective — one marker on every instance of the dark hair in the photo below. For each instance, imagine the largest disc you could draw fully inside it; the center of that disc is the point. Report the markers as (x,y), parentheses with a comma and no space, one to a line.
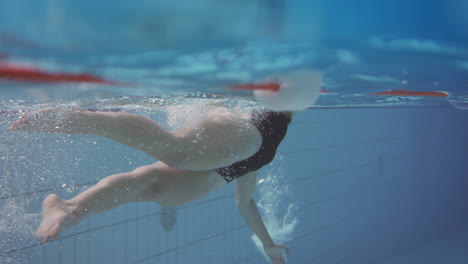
(289,115)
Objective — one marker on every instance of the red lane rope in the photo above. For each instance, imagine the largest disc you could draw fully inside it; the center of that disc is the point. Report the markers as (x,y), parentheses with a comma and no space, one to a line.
(32,74)
(412,93)
(272,86)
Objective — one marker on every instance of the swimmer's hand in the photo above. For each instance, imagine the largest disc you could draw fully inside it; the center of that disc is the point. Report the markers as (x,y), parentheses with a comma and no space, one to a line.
(276,253)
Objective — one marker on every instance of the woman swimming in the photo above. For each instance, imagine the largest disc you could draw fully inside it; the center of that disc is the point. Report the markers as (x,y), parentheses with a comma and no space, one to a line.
(194,161)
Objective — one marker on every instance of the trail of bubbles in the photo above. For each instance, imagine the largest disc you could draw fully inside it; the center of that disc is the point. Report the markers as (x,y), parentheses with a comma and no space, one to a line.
(276,205)
(17,228)
(192,110)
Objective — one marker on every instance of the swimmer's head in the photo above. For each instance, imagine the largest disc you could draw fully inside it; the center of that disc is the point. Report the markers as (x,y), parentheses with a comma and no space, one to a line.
(292,91)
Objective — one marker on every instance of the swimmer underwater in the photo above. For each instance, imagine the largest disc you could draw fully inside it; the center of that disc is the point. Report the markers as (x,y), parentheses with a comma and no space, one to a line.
(192,162)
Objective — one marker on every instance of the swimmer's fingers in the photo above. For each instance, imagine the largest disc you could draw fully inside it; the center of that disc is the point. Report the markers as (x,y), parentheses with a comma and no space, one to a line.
(276,253)
(286,249)
(280,260)
(277,261)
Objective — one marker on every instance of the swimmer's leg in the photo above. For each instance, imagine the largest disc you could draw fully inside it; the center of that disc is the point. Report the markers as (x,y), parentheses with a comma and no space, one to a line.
(133,130)
(220,140)
(157,182)
(56,120)
(59,215)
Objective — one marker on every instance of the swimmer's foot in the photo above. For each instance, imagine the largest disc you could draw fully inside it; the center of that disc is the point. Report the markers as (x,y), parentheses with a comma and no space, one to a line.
(52,120)
(168,215)
(56,217)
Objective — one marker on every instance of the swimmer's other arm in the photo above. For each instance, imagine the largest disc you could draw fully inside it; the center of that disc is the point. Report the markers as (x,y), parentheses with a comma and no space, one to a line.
(245,187)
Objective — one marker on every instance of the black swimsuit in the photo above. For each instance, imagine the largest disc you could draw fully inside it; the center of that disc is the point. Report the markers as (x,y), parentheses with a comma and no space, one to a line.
(272,126)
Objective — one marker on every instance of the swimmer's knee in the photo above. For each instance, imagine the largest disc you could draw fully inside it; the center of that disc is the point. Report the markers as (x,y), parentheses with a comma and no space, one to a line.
(110,181)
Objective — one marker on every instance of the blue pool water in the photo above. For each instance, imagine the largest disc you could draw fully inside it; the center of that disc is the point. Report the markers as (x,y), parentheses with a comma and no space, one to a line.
(360,178)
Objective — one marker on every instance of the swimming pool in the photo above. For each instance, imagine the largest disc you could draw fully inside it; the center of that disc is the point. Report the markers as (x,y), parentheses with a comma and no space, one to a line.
(359,178)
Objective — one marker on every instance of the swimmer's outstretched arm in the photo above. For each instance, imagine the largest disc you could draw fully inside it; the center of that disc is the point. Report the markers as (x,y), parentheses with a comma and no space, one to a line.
(244,190)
